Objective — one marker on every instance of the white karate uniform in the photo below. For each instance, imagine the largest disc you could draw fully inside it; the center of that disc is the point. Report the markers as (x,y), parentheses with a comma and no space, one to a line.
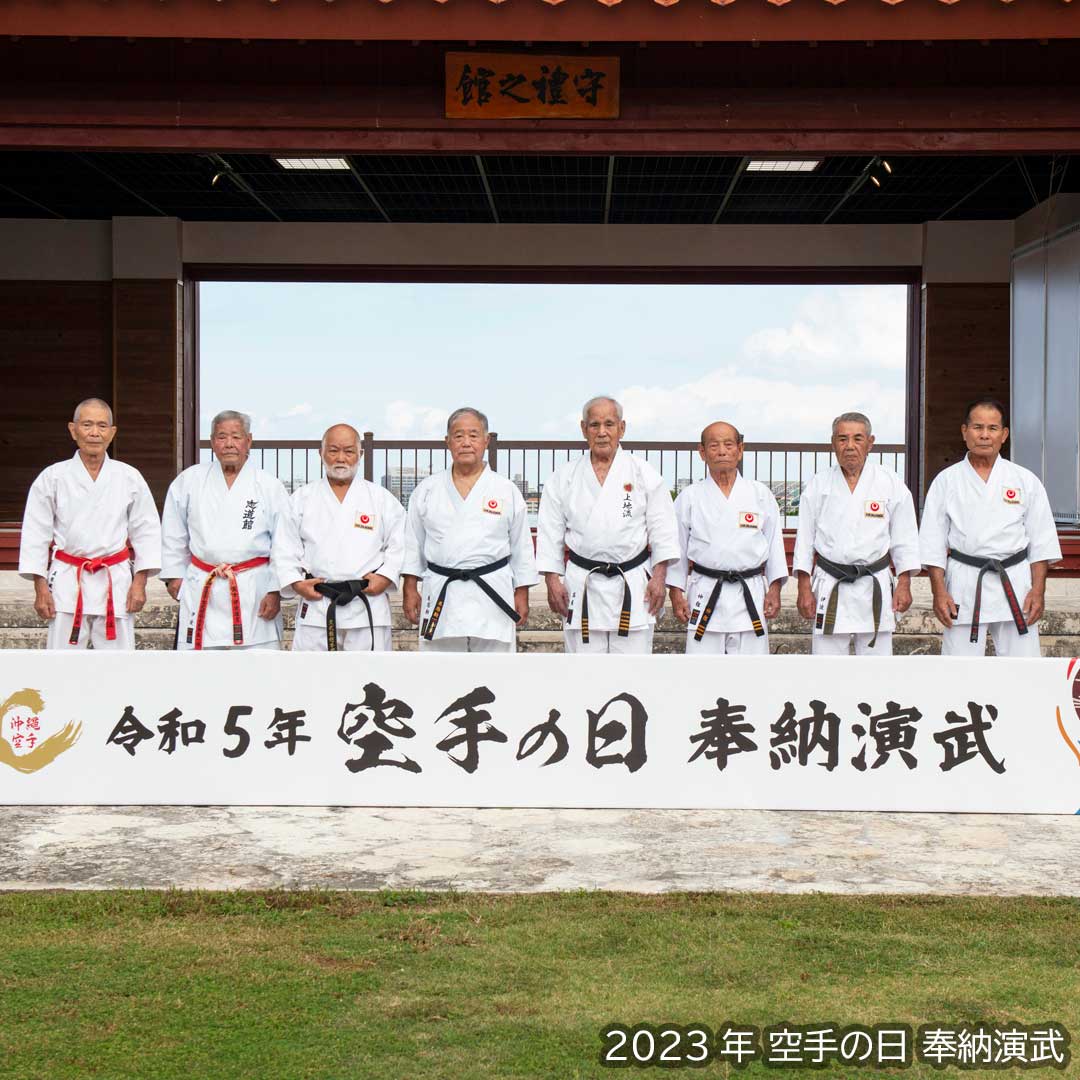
(462,534)
(858,526)
(994,519)
(739,531)
(609,523)
(339,540)
(220,524)
(91,518)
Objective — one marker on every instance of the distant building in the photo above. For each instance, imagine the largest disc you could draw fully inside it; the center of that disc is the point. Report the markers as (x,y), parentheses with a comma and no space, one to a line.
(401,481)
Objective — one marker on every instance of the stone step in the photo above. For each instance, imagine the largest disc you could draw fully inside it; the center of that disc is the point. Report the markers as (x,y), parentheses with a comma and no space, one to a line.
(550,641)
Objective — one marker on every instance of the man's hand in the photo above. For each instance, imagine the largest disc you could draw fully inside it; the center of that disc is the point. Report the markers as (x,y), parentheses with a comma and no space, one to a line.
(1034,605)
(410,599)
(558,597)
(521,603)
(136,597)
(270,606)
(305,588)
(805,602)
(771,607)
(172,587)
(376,583)
(679,606)
(656,589)
(901,599)
(944,608)
(43,601)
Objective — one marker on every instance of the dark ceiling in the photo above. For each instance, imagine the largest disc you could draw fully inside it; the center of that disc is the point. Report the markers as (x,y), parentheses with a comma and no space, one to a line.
(526,188)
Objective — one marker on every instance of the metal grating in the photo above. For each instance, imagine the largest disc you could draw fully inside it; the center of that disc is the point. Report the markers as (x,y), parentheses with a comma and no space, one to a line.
(523,188)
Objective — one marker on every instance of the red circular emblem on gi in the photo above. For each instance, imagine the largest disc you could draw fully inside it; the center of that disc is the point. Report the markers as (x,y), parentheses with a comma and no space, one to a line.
(364,519)
(1010,494)
(493,503)
(749,517)
(875,507)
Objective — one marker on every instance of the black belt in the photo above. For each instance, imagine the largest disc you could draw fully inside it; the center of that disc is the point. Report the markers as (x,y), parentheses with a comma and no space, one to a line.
(722,578)
(427,631)
(605,569)
(340,593)
(846,574)
(984,564)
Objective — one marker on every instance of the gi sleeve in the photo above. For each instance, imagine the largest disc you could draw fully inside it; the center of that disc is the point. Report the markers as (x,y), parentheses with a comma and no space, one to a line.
(281,527)
(776,561)
(803,558)
(551,526)
(37,529)
(175,539)
(414,562)
(679,570)
(144,527)
(934,531)
(660,527)
(904,533)
(1043,543)
(394,550)
(522,559)
(287,548)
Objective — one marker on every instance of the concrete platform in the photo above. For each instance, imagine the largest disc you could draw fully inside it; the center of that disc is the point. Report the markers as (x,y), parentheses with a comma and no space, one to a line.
(647,851)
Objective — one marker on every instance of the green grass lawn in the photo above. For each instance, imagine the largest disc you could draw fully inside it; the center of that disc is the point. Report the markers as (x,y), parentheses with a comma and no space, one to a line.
(280,985)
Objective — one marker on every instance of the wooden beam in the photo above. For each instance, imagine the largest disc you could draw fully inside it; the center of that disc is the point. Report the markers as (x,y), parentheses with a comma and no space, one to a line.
(532,20)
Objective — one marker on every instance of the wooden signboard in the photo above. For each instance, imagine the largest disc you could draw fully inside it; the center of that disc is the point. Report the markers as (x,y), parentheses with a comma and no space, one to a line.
(481,86)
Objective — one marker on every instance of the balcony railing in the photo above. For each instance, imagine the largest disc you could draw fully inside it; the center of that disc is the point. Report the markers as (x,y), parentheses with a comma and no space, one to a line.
(400,464)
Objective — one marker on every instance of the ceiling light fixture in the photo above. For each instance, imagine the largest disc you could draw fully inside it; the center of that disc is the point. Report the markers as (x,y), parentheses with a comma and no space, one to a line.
(765,165)
(314,164)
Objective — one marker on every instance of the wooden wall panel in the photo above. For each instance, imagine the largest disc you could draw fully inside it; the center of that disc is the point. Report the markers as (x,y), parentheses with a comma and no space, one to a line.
(965,354)
(145,346)
(55,350)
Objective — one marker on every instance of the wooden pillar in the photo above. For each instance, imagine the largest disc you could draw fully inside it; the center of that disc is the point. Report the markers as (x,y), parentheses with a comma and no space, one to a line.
(965,332)
(146,383)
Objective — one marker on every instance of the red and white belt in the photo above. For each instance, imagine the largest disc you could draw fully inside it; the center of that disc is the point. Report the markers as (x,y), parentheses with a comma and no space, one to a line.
(228,571)
(92,566)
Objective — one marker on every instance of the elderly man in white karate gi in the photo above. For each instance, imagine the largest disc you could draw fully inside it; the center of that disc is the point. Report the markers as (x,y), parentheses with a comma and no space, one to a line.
(219,528)
(605,519)
(100,518)
(854,519)
(988,538)
(341,554)
(730,534)
(467,540)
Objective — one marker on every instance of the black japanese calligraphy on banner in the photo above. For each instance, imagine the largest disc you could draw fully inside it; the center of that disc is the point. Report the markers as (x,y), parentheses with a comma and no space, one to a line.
(782,732)
(493,86)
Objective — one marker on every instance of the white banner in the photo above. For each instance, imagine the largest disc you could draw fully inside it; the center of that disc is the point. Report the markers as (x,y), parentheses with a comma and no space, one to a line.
(400,729)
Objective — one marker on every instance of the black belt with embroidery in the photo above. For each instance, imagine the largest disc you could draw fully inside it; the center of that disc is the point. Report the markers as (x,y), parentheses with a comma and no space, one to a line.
(340,593)
(477,574)
(605,569)
(984,565)
(848,574)
(722,578)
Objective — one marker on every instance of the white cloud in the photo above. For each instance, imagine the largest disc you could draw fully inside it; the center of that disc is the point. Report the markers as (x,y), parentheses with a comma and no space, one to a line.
(403,419)
(836,331)
(303,409)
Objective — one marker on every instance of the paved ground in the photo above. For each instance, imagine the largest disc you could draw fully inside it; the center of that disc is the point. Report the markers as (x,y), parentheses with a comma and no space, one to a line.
(537,850)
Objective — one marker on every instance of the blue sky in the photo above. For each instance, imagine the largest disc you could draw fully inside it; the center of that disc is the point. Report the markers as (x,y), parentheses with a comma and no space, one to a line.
(779,361)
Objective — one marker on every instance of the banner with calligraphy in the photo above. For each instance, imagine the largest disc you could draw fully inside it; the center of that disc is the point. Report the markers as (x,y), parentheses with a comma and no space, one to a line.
(401,729)
(493,86)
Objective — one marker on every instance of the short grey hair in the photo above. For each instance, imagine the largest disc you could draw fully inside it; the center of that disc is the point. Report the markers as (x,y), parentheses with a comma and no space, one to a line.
(228,415)
(466,410)
(853,418)
(92,401)
(598,401)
